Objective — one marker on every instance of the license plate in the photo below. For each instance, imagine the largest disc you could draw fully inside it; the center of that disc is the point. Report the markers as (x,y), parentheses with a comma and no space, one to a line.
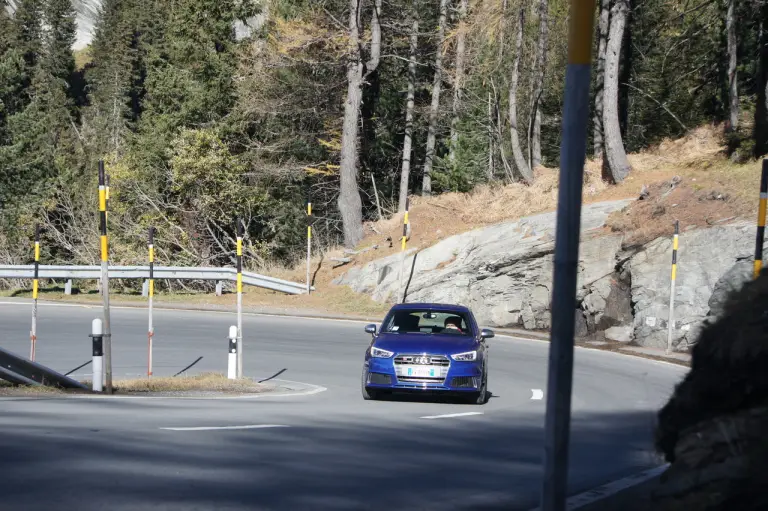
(420,371)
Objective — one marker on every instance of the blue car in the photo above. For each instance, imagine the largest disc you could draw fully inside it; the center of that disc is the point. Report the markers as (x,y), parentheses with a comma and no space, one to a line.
(427,347)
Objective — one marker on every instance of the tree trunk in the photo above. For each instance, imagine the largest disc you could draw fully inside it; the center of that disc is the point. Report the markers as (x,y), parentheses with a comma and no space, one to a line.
(625,72)
(408,139)
(761,108)
(517,152)
(426,188)
(597,120)
(534,125)
(490,139)
(459,78)
(615,164)
(350,204)
(733,88)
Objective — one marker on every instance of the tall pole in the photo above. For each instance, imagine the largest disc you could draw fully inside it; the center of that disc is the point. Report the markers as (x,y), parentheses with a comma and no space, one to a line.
(105,277)
(309,237)
(572,156)
(761,220)
(239,298)
(151,293)
(35,286)
(400,293)
(673,278)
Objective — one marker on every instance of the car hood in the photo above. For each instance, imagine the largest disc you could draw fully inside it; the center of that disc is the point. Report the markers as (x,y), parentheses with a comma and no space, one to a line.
(425,343)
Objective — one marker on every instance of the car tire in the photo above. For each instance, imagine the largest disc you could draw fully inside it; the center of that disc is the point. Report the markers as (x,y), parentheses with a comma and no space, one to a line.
(480,398)
(368,394)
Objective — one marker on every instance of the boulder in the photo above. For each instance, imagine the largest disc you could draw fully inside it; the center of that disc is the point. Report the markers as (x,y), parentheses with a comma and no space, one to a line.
(620,334)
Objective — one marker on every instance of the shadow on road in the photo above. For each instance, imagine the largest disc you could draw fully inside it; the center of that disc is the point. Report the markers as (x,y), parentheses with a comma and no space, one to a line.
(361,461)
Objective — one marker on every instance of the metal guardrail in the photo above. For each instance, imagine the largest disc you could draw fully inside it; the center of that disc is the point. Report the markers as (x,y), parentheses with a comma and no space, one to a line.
(160,272)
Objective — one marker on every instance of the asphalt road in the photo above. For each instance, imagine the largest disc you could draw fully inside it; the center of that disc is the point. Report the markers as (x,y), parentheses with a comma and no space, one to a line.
(332,450)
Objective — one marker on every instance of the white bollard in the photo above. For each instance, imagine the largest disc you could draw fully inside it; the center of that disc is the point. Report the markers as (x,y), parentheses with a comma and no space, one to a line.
(232,365)
(97,334)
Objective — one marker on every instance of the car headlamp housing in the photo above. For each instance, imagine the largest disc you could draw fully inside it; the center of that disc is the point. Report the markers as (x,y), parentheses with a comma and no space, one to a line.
(469,356)
(380,353)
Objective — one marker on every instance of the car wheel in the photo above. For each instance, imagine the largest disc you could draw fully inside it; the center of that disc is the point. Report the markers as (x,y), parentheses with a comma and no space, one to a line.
(368,394)
(481,397)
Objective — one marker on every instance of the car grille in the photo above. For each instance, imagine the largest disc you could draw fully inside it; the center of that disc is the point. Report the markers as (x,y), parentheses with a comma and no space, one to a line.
(379,379)
(468,382)
(440,363)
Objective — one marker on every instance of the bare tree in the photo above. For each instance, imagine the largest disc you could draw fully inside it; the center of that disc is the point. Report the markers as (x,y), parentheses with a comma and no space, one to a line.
(597,120)
(458,81)
(733,86)
(534,124)
(350,205)
(615,164)
(517,152)
(408,139)
(426,187)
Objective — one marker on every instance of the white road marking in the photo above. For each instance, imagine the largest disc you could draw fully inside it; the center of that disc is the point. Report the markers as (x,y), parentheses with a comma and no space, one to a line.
(537,394)
(216,428)
(606,490)
(448,415)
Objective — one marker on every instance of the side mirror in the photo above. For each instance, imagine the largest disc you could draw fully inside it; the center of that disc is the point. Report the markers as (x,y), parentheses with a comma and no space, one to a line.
(486,333)
(370,329)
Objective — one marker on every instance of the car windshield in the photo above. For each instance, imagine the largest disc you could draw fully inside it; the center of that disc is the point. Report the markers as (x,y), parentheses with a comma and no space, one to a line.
(428,322)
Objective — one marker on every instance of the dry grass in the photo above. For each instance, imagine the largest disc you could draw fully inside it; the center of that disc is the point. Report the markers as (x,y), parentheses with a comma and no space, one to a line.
(10,390)
(208,382)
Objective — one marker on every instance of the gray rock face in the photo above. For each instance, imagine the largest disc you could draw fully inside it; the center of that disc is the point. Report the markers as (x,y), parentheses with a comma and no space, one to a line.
(503,272)
(710,262)
(620,334)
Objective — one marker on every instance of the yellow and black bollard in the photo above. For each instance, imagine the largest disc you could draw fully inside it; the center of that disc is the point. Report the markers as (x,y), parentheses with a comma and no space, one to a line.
(239,256)
(673,280)
(309,238)
(761,220)
(105,277)
(151,294)
(35,288)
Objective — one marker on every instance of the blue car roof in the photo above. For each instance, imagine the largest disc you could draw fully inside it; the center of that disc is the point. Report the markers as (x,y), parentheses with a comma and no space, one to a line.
(433,306)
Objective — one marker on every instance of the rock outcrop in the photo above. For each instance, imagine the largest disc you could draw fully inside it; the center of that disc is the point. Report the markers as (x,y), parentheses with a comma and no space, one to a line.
(712,430)
(504,273)
(711,262)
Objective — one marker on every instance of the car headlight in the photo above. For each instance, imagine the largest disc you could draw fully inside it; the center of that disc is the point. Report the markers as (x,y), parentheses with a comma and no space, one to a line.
(380,353)
(469,356)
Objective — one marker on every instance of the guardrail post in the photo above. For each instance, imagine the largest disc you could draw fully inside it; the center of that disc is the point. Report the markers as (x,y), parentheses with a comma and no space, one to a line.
(219,288)
(97,337)
(232,357)
(68,287)
(145,288)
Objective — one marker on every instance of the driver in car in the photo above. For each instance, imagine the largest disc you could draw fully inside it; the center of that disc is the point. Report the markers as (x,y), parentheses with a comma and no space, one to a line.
(453,323)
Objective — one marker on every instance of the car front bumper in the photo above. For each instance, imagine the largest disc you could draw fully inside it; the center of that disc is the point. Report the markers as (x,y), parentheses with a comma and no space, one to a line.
(381,373)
